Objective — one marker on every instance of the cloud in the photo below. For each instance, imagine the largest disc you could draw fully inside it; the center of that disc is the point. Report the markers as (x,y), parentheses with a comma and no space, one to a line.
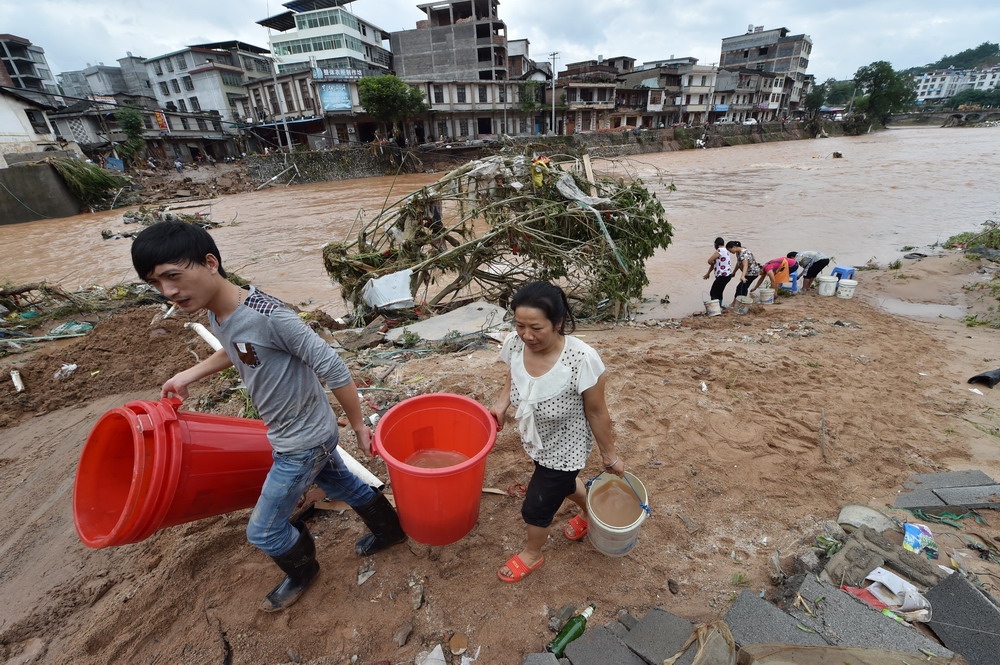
(846,34)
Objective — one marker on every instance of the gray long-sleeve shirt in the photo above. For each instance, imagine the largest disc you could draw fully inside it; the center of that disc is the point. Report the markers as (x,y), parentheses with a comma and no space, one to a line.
(281,362)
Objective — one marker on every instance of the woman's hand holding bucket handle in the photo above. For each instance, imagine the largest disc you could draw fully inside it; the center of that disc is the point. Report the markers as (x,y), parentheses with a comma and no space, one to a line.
(617,467)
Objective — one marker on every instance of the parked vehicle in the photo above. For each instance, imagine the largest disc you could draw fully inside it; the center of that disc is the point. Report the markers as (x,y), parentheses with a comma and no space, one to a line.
(750,121)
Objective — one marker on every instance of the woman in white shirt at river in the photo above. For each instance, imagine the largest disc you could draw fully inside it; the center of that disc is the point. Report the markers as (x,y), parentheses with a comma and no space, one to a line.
(556,384)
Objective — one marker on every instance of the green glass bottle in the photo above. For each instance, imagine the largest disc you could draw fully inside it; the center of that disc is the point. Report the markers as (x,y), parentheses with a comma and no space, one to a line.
(570,631)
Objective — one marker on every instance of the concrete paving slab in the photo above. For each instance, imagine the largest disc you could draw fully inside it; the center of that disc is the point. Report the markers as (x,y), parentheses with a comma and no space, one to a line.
(922,498)
(540,659)
(658,636)
(599,646)
(980,496)
(752,620)
(479,316)
(846,621)
(965,620)
(969,478)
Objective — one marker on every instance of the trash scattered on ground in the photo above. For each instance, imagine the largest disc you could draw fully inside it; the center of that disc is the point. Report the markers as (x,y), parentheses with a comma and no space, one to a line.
(66,370)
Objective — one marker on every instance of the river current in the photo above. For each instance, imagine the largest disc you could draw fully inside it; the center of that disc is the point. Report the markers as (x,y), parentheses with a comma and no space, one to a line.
(896,188)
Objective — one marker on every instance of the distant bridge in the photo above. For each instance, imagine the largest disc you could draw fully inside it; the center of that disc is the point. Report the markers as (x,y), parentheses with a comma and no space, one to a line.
(945,118)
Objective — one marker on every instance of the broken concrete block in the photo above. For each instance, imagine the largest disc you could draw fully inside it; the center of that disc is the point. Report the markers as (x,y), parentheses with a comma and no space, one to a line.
(966,620)
(370,335)
(475,317)
(844,620)
(752,619)
(627,619)
(980,496)
(782,654)
(540,659)
(600,647)
(617,629)
(866,550)
(658,636)
(923,485)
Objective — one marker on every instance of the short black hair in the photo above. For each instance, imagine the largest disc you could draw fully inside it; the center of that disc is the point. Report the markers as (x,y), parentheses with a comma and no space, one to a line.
(719,242)
(791,255)
(733,243)
(550,299)
(172,242)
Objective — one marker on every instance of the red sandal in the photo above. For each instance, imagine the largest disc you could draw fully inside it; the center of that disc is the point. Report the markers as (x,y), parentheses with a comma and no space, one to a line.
(519,570)
(576,528)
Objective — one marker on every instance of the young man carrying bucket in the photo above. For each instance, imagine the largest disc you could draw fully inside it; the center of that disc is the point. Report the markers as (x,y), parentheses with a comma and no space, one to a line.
(281,362)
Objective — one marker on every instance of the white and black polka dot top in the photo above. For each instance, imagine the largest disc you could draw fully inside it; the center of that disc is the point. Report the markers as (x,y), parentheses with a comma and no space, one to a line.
(551,418)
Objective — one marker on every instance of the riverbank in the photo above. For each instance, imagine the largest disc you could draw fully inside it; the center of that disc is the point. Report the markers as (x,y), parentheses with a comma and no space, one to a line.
(719,416)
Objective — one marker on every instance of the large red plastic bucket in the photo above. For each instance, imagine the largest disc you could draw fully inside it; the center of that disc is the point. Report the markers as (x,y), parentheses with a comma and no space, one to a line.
(146,466)
(436,506)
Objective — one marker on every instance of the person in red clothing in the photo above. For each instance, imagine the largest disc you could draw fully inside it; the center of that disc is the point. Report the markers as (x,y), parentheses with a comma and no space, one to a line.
(777,271)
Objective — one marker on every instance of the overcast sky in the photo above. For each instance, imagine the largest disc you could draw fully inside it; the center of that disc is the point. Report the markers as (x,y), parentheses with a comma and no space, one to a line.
(846,34)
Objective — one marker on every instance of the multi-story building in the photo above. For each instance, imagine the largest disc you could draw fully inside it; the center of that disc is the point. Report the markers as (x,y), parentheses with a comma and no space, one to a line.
(321,33)
(662,75)
(772,51)
(207,77)
(26,65)
(697,90)
(940,84)
(135,75)
(742,94)
(460,40)
(468,110)
(94,80)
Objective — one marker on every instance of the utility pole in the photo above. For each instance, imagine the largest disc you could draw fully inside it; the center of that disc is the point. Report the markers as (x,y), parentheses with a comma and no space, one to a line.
(277,97)
(554,55)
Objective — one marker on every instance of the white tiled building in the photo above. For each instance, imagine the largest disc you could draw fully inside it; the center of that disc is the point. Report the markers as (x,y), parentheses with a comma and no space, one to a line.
(937,85)
(207,78)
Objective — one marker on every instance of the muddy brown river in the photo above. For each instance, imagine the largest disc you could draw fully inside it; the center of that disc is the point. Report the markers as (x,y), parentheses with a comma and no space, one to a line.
(891,189)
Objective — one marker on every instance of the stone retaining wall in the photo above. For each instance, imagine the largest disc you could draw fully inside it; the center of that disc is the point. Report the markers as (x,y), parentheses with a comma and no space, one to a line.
(34,192)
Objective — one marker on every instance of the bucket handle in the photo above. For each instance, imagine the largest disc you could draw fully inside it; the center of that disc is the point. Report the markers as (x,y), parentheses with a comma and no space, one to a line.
(625,478)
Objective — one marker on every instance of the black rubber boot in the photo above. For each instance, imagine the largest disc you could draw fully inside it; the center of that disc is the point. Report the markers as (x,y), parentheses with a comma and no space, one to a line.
(300,567)
(383,522)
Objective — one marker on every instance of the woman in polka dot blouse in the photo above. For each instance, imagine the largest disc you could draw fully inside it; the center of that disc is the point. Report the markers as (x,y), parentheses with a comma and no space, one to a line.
(556,384)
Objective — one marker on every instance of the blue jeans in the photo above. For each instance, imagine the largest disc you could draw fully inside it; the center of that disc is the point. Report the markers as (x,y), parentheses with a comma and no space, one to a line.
(290,475)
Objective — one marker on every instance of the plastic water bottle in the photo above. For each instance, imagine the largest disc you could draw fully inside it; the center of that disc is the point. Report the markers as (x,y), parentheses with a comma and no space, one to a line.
(570,631)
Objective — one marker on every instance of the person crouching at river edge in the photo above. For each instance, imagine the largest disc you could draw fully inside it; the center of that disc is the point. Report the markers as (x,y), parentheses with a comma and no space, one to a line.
(556,384)
(281,362)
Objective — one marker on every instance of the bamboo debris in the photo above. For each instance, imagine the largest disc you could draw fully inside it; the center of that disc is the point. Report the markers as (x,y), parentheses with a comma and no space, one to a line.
(493,224)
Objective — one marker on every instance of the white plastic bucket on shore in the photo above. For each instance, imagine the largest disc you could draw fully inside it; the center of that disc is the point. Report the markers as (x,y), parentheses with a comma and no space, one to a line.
(766,296)
(743,304)
(846,288)
(713,307)
(827,285)
(612,540)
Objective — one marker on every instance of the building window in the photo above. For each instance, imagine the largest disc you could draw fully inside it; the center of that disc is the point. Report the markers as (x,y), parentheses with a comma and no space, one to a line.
(37,120)
(181,61)
(262,66)
(175,85)
(184,123)
(524,125)
(272,99)
(147,122)
(169,64)
(463,127)
(502,94)
(188,83)
(460,95)
(305,93)
(158,68)
(655,97)
(195,106)
(171,106)
(201,124)
(286,92)
(704,80)
(484,95)
(442,129)
(182,105)
(217,125)
(230,78)
(163,88)
(439,94)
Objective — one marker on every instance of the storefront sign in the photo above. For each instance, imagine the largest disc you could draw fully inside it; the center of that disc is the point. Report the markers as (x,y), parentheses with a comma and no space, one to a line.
(335,96)
(343,74)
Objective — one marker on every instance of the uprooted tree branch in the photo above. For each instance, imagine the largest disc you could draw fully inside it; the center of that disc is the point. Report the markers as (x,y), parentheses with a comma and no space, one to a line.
(491,225)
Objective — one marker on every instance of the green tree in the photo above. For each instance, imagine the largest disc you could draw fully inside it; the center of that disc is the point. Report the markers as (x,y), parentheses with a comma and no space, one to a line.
(989,97)
(886,90)
(814,100)
(129,120)
(388,99)
(839,93)
(529,96)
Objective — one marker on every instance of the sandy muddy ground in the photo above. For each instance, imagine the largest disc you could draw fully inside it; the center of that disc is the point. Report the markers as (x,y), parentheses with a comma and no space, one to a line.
(733,472)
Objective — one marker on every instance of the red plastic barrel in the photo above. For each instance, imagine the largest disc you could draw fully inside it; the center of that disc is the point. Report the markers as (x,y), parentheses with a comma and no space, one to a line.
(146,466)
(436,506)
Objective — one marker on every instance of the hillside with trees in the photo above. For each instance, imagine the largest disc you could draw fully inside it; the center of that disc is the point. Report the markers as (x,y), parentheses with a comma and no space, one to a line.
(986,54)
